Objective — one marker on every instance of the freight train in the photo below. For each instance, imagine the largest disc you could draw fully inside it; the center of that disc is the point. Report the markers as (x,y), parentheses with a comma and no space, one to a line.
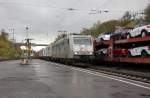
(69,49)
(108,47)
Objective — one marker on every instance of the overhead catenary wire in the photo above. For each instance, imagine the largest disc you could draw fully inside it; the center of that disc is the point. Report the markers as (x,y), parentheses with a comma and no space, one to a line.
(70,9)
(41,5)
(97,10)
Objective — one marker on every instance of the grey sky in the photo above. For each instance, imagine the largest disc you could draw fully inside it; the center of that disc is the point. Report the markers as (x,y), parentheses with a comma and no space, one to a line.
(45,17)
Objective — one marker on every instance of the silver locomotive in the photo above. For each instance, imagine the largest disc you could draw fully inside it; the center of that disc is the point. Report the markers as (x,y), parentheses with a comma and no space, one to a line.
(70,48)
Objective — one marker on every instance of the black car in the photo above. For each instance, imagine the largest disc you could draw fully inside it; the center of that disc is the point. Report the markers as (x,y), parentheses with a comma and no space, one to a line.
(120,33)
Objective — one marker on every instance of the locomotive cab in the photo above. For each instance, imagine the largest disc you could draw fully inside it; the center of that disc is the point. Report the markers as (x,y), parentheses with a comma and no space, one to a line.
(82,47)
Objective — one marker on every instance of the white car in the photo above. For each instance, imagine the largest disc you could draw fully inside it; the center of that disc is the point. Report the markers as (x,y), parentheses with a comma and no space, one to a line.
(143,51)
(141,30)
(104,36)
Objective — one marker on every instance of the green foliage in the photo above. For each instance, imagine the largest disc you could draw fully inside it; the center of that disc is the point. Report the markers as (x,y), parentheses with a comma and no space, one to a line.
(127,16)
(86,31)
(110,26)
(7,49)
(147,14)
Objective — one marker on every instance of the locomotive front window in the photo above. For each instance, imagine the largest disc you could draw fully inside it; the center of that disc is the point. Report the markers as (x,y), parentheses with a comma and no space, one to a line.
(85,41)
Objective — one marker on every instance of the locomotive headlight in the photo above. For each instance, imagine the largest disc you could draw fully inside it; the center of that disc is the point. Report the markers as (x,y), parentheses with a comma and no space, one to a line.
(75,52)
(91,53)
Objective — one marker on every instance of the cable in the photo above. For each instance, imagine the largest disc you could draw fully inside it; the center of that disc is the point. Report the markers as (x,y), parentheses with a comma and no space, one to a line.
(40,5)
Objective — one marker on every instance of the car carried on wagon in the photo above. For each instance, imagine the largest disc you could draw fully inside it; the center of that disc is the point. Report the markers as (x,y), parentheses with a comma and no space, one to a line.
(120,33)
(142,51)
(141,30)
(104,36)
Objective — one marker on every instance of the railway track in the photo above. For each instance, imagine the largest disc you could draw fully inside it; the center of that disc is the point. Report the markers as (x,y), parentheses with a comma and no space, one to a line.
(133,75)
(128,73)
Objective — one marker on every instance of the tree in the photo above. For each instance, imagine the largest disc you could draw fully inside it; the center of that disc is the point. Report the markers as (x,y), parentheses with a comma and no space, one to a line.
(110,26)
(147,14)
(85,31)
(97,28)
(127,16)
(7,49)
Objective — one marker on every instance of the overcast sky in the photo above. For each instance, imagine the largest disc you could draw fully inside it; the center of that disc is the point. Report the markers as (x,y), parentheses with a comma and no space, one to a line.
(45,17)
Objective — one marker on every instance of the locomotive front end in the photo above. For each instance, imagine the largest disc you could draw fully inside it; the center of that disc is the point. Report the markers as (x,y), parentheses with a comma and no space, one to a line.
(83,47)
